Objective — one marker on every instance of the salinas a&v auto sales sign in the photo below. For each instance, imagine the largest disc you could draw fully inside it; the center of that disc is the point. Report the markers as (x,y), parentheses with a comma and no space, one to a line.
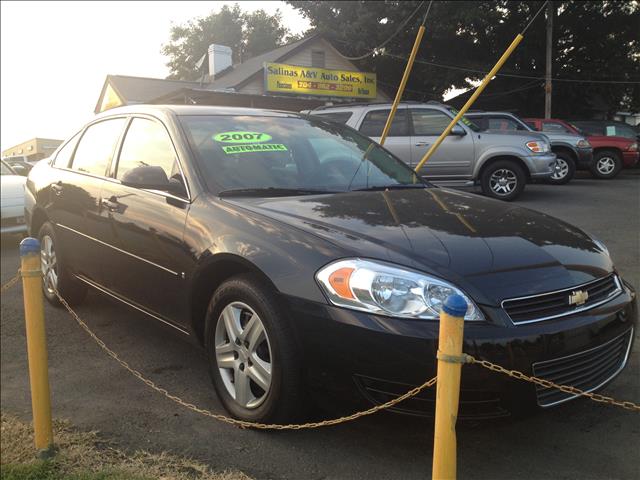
(282,78)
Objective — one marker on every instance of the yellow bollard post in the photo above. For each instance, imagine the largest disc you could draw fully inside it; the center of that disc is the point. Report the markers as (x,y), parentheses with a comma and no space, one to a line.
(31,271)
(448,387)
(472,99)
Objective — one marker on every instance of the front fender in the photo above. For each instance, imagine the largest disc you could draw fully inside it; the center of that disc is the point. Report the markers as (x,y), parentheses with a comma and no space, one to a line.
(499,151)
(288,257)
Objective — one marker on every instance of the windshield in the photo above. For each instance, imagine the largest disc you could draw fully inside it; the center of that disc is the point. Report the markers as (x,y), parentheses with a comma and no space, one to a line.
(301,155)
(465,120)
(7,170)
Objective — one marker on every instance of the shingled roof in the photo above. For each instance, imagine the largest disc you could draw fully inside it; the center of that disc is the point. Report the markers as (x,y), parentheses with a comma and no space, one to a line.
(243,72)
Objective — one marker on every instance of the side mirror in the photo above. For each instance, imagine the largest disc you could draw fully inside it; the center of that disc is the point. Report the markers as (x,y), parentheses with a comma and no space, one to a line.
(458,131)
(152,178)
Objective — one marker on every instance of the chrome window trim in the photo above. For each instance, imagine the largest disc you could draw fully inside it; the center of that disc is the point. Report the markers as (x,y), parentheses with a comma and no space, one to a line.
(613,294)
(117,297)
(119,250)
(608,379)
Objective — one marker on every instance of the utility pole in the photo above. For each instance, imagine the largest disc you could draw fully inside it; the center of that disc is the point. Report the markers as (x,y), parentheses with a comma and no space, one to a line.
(547,86)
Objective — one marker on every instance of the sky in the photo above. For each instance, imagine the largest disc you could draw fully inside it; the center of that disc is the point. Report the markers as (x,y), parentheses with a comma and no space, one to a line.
(54,56)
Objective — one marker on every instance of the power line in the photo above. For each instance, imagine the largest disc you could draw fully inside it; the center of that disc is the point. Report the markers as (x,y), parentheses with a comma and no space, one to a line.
(534,17)
(554,79)
(404,22)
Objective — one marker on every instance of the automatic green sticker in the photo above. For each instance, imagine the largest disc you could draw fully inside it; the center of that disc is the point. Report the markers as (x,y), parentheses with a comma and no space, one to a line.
(256,147)
(242,137)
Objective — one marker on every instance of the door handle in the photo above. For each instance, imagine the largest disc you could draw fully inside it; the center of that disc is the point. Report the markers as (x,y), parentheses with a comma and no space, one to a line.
(57,188)
(422,144)
(111,204)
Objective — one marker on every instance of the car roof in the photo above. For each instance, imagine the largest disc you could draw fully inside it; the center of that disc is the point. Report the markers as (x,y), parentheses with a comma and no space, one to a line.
(196,110)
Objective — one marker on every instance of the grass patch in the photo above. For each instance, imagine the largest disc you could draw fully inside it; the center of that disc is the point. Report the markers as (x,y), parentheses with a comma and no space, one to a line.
(84,456)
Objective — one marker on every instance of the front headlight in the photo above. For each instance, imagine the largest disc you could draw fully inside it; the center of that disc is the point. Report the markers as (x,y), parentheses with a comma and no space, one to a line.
(385,289)
(538,146)
(582,143)
(633,147)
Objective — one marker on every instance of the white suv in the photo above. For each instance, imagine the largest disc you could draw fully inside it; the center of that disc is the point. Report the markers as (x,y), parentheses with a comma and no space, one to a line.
(501,163)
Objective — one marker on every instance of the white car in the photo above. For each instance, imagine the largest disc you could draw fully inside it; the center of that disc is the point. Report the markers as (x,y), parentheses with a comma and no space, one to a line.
(12,201)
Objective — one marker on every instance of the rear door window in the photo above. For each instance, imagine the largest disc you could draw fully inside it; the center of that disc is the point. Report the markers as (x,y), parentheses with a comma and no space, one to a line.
(97,145)
(375,120)
(429,122)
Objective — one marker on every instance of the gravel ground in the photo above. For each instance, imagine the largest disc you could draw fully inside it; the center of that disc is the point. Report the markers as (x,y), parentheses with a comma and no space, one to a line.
(580,440)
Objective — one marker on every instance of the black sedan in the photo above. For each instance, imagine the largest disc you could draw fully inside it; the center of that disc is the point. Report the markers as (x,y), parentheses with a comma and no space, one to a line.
(311,264)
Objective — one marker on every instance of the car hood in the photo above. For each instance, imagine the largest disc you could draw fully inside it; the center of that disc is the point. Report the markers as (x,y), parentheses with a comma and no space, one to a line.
(491,249)
(12,186)
(507,137)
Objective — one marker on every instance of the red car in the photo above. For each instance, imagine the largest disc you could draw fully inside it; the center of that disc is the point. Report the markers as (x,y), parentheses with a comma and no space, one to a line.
(610,154)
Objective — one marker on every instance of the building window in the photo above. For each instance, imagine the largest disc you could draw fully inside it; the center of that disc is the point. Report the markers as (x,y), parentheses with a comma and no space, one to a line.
(317,58)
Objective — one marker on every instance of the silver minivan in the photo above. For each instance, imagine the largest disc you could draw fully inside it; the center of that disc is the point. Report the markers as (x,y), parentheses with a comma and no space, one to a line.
(500,162)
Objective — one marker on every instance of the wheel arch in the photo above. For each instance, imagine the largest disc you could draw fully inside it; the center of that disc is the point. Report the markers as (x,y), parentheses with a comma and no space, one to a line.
(565,149)
(208,277)
(490,161)
(613,149)
(38,218)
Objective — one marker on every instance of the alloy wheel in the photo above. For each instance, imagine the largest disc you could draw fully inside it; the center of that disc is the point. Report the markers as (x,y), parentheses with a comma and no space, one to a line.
(561,169)
(606,165)
(503,181)
(243,355)
(49,265)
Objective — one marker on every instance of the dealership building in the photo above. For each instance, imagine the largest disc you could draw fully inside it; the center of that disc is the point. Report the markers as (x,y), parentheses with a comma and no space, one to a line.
(32,150)
(301,75)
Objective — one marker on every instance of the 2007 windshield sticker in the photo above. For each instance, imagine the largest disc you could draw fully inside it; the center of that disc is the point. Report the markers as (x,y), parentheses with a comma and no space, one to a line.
(242,137)
(256,147)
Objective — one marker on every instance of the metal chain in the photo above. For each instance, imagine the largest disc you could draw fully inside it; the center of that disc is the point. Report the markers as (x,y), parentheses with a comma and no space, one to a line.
(596,397)
(10,283)
(240,423)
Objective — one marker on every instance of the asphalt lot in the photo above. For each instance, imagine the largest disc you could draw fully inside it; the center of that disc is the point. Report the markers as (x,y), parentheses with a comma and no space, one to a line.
(577,440)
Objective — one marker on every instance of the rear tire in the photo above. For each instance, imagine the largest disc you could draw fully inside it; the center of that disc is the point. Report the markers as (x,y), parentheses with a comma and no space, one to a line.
(258,378)
(55,272)
(606,164)
(565,169)
(504,180)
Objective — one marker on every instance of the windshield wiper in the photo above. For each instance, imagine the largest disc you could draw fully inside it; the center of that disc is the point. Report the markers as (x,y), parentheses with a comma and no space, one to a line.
(377,188)
(270,192)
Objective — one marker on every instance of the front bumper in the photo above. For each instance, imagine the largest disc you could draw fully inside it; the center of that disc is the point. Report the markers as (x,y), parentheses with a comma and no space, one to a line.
(366,359)
(585,157)
(629,159)
(541,166)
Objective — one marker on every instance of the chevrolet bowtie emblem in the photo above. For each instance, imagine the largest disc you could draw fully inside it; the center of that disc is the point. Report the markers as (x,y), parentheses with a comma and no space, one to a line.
(578,297)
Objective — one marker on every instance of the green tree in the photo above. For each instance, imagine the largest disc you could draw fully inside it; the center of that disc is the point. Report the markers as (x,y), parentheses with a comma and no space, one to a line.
(592,40)
(248,35)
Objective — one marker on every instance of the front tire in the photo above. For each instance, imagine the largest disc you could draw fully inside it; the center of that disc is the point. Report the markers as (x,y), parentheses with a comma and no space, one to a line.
(606,164)
(253,359)
(565,169)
(55,272)
(503,180)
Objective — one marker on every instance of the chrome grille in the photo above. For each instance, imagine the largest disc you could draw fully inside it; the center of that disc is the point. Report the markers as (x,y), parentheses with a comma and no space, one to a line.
(586,370)
(556,304)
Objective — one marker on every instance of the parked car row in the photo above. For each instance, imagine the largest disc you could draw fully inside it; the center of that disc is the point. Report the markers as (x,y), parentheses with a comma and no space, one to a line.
(501,162)
(496,150)
(611,152)
(311,264)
